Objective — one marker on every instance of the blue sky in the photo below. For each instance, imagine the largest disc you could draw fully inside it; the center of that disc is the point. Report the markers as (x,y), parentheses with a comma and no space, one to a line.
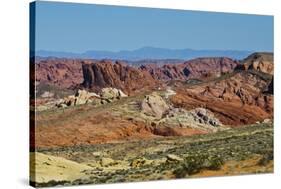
(78,28)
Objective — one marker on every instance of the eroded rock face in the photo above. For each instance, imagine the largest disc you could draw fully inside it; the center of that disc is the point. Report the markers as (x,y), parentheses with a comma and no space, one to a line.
(154,105)
(210,67)
(236,100)
(199,118)
(105,74)
(166,72)
(97,74)
(62,73)
(196,68)
(262,62)
(205,116)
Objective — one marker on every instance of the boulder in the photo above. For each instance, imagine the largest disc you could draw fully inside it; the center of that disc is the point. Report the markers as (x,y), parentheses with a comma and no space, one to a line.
(47,94)
(81,97)
(205,116)
(267,121)
(106,161)
(85,97)
(154,105)
(112,93)
(172,157)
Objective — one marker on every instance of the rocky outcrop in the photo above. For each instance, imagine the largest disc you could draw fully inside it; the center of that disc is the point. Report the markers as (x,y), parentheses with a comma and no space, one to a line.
(205,116)
(262,62)
(95,75)
(196,68)
(61,73)
(91,75)
(154,105)
(199,119)
(81,97)
(107,95)
(111,94)
(236,100)
(165,118)
(210,67)
(104,73)
(166,72)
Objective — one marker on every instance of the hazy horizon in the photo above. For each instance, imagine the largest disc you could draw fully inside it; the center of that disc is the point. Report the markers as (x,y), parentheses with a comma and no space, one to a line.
(144,47)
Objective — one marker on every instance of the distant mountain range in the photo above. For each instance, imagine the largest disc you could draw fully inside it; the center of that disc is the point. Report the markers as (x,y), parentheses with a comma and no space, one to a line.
(148,53)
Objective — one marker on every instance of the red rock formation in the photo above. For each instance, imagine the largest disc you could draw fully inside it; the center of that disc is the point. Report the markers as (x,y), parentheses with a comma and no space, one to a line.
(196,68)
(236,100)
(209,67)
(118,75)
(262,62)
(100,128)
(62,73)
(68,73)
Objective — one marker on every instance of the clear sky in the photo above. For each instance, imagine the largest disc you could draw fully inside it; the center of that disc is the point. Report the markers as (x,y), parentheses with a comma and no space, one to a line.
(77,28)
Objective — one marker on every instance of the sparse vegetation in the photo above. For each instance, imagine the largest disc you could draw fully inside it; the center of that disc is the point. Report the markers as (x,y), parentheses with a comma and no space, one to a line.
(193,164)
(199,153)
(176,128)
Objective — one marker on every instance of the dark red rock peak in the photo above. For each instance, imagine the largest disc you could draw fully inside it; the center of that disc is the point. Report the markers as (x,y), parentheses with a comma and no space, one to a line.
(119,75)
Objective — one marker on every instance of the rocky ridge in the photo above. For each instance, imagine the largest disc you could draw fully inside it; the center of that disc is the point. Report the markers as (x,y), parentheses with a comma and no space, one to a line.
(97,74)
(236,100)
(262,62)
(119,75)
(107,95)
(61,73)
(196,68)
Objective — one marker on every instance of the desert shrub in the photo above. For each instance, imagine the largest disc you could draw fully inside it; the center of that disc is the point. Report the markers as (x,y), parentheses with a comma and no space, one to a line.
(52,183)
(191,165)
(266,158)
(215,163)
(180,172)
(194,164)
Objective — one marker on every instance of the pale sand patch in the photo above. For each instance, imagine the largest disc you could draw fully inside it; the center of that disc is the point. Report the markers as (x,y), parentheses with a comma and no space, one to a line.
(47,168)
